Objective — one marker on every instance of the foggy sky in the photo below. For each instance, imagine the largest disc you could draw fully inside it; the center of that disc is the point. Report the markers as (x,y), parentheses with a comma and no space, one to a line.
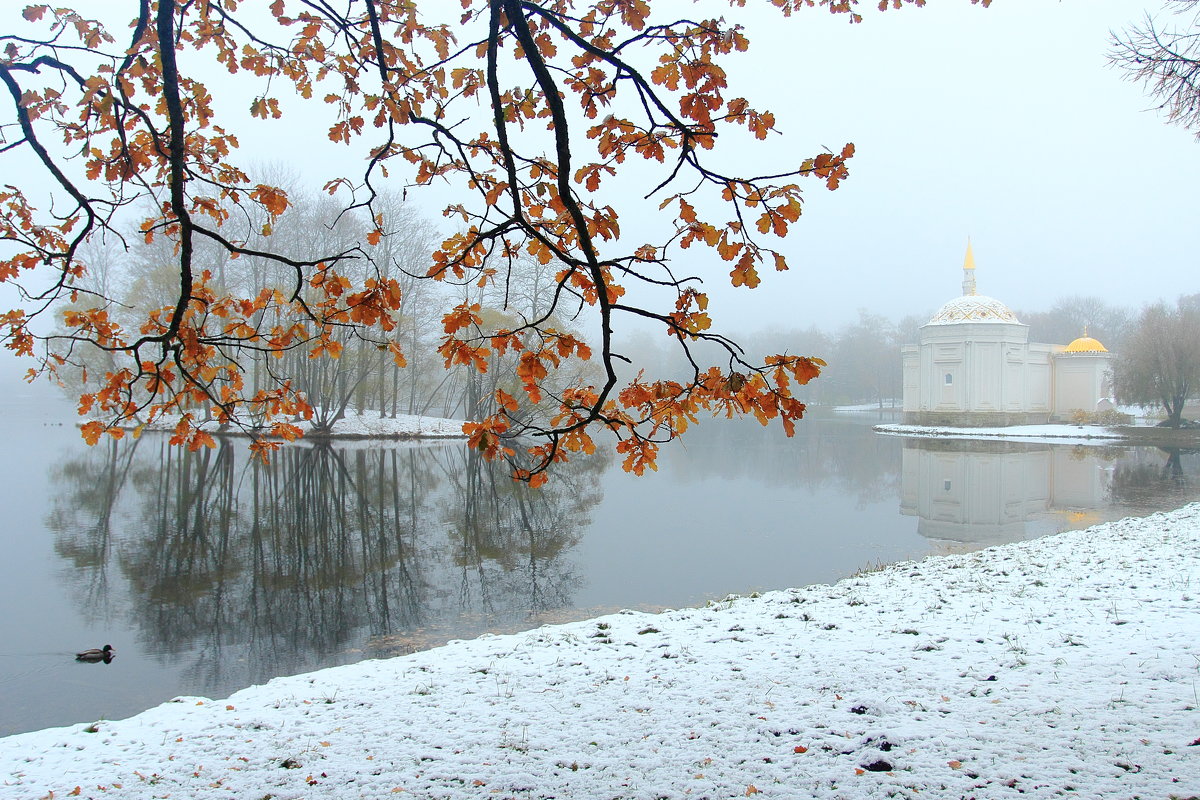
(1002,124)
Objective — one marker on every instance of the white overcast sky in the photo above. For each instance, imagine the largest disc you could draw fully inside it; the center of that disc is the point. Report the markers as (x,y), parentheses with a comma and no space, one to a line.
(1002,124)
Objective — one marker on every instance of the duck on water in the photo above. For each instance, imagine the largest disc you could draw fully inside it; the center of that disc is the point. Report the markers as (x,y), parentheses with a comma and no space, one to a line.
(96,654)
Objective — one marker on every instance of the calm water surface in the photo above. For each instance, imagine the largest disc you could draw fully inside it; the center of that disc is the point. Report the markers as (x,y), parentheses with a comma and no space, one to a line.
(208,573)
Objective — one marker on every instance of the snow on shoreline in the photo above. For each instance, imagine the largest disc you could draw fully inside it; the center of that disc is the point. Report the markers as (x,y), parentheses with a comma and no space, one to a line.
(1024,433)
(353,426)
(1064,665)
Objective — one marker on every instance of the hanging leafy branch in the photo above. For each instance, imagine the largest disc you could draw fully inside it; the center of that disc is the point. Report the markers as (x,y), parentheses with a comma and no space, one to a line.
(534,112)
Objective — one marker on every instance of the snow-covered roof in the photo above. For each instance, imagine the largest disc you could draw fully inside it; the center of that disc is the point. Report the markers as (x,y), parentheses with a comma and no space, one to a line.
(973,308)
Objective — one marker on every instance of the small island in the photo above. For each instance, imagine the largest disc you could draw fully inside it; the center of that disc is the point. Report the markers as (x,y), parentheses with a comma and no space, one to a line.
(347,425)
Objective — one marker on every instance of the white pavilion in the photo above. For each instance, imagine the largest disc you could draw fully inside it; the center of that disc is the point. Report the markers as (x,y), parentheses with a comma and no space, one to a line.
(975,366)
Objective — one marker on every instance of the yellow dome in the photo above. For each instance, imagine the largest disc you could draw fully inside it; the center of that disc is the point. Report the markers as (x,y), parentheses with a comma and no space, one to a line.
(1086,344)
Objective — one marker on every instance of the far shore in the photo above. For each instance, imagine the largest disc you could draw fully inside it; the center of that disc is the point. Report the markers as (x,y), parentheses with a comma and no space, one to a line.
(352,426)
(407,427)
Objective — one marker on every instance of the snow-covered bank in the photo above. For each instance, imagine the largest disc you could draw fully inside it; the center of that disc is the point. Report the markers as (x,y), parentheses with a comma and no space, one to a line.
(1027,433)
(890,406)
(353,426)
(371,425)
(1066,665)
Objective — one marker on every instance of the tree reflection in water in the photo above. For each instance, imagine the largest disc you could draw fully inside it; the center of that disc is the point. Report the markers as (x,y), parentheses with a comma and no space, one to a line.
(88,492)
(329,554)
(1160,475)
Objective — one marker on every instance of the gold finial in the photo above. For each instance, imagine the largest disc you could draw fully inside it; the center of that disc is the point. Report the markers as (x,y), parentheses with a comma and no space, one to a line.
(969,271)
(1085,332)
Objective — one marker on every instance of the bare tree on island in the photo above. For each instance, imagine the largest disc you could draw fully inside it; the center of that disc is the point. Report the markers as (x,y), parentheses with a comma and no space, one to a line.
(1166,59)
(1159,364)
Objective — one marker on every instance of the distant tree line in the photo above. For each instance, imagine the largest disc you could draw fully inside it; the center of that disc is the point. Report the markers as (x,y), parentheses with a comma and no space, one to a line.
(1158,347)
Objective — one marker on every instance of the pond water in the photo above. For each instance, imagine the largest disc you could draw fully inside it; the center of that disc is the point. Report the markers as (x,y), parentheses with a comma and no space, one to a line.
(207,572)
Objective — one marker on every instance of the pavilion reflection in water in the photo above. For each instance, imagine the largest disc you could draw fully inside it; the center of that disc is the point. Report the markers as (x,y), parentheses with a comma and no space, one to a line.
(971,494)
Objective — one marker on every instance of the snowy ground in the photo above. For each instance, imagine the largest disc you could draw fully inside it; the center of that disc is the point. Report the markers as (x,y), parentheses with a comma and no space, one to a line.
(402,426)
(1065,666)
(355,425)
(1027,433)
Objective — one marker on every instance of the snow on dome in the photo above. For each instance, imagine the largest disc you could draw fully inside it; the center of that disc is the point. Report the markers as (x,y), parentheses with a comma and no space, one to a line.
(973,308)
(1086,344)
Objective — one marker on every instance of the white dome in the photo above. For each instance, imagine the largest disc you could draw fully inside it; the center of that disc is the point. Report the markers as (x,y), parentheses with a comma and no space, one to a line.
(973,308)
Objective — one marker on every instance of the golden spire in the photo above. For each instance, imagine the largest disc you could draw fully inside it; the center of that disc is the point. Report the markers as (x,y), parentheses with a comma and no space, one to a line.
(969,271)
